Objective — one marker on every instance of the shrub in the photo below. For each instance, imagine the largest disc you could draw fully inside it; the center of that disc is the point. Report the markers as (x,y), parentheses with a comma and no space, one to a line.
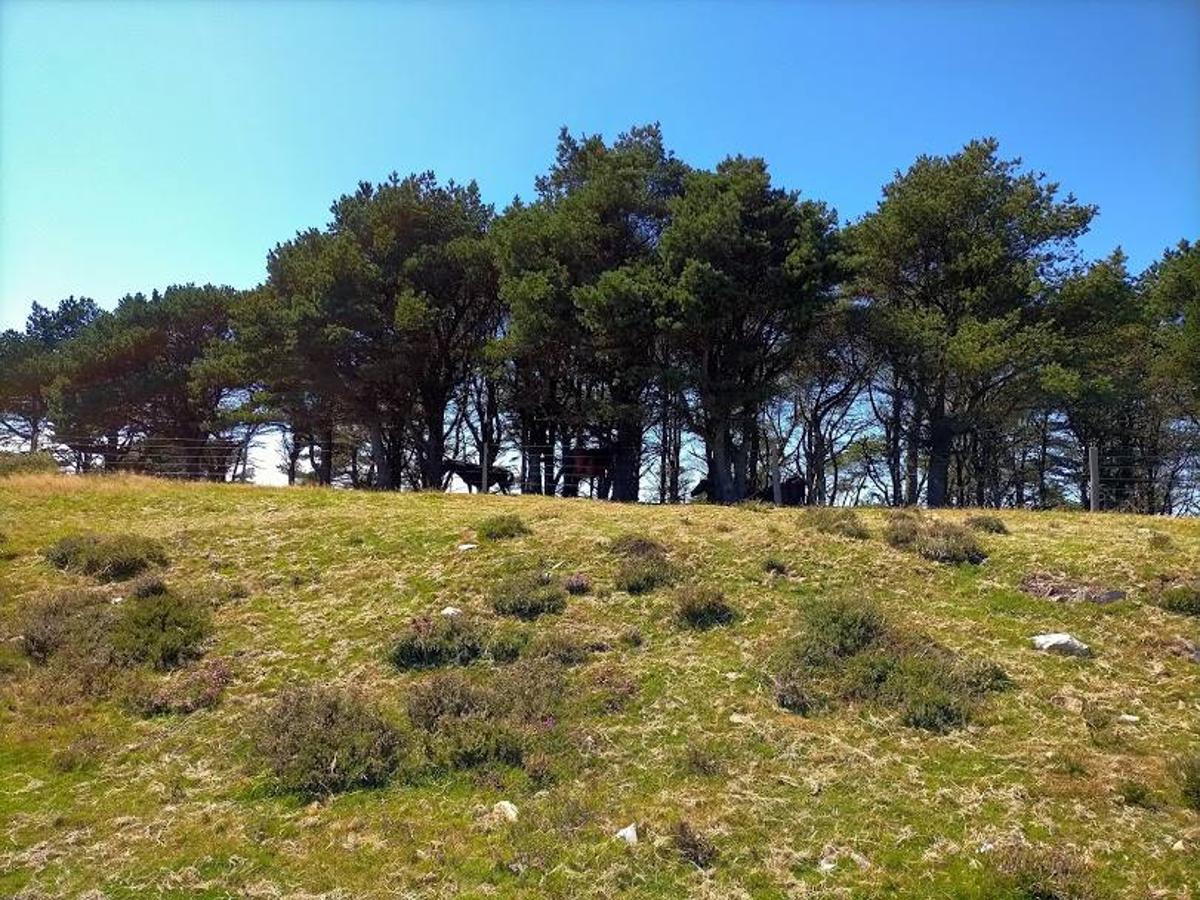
(945,542)
(643,575)
(27,464)
(1038,874)
(160,630)
(839,629)
(612,689)
(563,648)
(632,637)
(1182,598)
(181,693)
(499,528)
(106,558)
(476,743)
(1187,772)
(700,760)
(987,523)
(931,707)
(702,607)
(528,596)
(1160,541)
(1135,793)
(794,694)
(532,691)
(431,641)
(148,586)
(321,740)
(902,528)
(78,622)
(692,845)
(577,584)
(443,698)
(838,521)
(774,565)
(637,546)
(507,644)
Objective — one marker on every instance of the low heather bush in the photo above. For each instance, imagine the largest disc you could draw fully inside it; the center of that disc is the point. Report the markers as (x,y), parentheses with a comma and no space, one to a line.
(445,697)
(643,575)
(837,520)
(1187,773)
(182,692)
(945,542)
(577,584)
(502,527)
(702,607)
(1182,598)
(987,523)
(507,644)
(774,565)
(27,464)
(637,546)
(528,595)
(693,845)
(160,630)
(71,622)
(430,641)
(321,740)
(106,558)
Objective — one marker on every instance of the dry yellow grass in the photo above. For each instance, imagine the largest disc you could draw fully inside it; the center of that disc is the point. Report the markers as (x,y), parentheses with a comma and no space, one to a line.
(847,803)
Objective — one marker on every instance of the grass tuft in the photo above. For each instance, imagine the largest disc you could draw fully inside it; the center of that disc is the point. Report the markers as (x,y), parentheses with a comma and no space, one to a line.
(502,527)
(106,558)
(987,523)
(430,641)
(702,608)
(837,521)
(528,595)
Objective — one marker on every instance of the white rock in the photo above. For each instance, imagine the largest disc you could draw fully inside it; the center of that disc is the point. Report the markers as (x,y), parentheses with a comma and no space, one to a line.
(1127,719)
(506,810)
(1179,845)
(467,546)
(828,864)
(451,611)
(629,833)
(1061,643)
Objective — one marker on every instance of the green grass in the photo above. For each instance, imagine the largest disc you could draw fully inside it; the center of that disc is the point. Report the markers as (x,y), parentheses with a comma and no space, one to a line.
(676,727)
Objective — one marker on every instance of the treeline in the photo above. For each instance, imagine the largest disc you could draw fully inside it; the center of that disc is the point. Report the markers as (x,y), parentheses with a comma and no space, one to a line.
(642,319)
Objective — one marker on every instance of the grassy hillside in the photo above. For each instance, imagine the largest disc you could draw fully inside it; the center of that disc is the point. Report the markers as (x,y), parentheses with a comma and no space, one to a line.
(899,774)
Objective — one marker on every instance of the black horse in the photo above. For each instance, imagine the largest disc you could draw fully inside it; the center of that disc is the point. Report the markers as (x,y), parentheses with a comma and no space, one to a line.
(791,491)
(472,475)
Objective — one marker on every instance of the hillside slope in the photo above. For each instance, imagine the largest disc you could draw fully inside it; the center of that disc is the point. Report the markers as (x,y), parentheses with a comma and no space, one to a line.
(1066,779)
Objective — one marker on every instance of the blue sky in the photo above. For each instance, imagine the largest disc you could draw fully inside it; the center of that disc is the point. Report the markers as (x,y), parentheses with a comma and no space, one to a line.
(148,143)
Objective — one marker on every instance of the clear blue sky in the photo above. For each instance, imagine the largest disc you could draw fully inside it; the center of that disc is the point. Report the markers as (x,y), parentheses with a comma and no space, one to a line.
(148,143)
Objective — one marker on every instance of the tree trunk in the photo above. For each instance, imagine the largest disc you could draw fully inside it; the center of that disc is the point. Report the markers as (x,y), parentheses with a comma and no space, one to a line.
(941,439)
(626,458)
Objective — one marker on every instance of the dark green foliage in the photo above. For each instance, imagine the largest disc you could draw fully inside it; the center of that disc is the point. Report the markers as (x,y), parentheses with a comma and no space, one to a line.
(26,464)
(148,586)
(642,575)
(502,527)
(846,652)
(481,742)
(637,546)
(1136,793)
(902,528)
(431,641)
(1187,773)
(987,523)
(1182,598)
(836,520)
(774,565)
(528,595)
(323,740)
(506,644)
(106,558)
(160,630)
(693,845)
(702,607)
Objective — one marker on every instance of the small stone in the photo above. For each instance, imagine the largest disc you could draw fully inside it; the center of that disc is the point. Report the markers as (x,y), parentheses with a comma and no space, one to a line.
(739,719)
(732,676)
(1061,643)
(1179,846)
(827,864)
(1104,597)
(465,547)
(451,611)
(116,600)
(1128,719)
(506,810)
(629,833)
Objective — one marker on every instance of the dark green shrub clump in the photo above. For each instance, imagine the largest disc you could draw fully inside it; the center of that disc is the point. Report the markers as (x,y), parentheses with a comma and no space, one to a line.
(528,596)
(987,523)
(577,584)
(1187,771)
(507,644)
(320,740)
(637,546)
(847,653)
(444,697)
(148,586)
(1182,598)
(499,528)
(1135,793)
(562,648)
(431,641)
(27,464)
(106,558)
(837,520)
(774,565)
(702,607)
(933,539)
(181,693)
(160,630)
(641,576)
